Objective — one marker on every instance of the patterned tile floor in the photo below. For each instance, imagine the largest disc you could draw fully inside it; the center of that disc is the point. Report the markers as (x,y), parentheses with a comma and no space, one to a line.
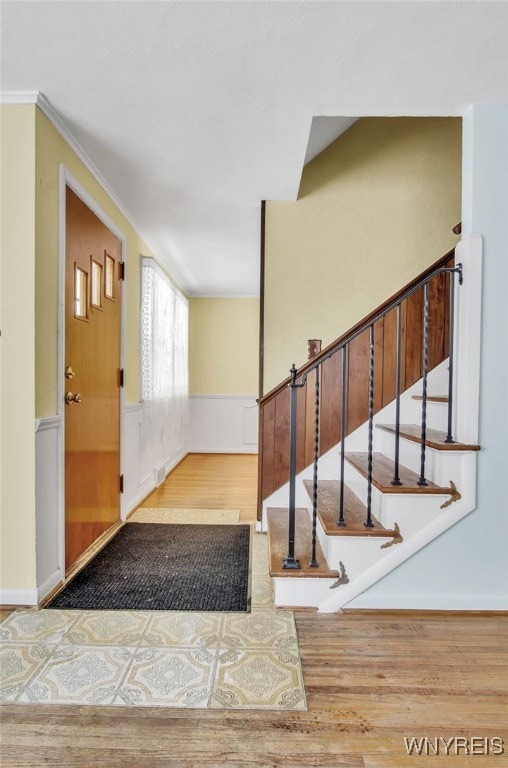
(157,658)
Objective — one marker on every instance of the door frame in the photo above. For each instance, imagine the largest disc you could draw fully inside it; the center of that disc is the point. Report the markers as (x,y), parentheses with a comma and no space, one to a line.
(66,179)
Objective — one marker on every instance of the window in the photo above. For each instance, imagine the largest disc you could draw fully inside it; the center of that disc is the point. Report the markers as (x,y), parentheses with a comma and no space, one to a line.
(164,359)
(109,276)
(80,293)
(96,297)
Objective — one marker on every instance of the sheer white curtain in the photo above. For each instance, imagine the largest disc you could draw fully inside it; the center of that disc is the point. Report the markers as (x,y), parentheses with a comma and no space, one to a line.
(164,363)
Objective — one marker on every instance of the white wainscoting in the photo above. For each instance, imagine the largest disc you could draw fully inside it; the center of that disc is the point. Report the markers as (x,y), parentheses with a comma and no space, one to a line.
(145,455)
(223,424)
(138,480)
(49,516)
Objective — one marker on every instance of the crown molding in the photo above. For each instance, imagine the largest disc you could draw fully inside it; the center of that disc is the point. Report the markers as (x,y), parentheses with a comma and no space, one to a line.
(38,98)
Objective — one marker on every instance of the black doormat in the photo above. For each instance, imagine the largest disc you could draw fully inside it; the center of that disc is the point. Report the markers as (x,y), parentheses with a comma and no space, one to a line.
(150,566)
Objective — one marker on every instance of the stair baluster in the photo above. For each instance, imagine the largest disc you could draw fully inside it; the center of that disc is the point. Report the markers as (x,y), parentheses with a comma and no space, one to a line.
(313,562)
(458,270)
(290,562)
(396,479)
(368,522)
(425,363)
(341,522)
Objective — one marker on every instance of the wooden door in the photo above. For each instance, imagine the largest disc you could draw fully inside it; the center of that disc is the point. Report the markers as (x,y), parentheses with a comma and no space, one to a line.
(92,378)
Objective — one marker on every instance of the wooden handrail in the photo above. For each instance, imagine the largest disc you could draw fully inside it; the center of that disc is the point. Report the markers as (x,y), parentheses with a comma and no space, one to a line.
(335,345)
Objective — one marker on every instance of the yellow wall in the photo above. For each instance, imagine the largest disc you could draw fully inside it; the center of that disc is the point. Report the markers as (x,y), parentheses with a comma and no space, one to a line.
(375,209)
(17,379)
(51,150)
(223,346)
(31,153)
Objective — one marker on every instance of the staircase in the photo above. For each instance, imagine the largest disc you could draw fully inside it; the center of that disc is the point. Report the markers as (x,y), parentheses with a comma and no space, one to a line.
(353,509)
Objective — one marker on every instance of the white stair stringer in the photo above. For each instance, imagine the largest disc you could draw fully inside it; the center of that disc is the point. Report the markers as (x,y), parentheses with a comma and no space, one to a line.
(440,521)
(414,514)
(366,559)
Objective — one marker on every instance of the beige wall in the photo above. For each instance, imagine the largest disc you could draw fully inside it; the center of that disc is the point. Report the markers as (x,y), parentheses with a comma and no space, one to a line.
(223,346)
(17,378)
(375,209)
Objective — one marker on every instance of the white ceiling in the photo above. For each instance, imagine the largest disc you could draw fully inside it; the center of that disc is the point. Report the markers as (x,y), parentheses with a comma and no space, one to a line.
(195,111)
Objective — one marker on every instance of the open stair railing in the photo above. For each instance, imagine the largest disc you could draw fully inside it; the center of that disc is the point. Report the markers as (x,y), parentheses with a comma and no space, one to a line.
(408,323)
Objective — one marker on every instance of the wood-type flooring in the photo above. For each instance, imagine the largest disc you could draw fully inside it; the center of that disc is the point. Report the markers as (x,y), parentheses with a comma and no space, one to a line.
(372,679)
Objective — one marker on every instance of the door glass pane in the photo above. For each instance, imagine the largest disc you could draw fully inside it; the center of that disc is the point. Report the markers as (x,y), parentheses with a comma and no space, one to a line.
(96,284)
(109,276)
(80,292)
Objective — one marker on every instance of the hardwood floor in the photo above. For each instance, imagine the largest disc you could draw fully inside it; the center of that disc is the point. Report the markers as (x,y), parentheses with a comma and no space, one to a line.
(211,481)
(371,679)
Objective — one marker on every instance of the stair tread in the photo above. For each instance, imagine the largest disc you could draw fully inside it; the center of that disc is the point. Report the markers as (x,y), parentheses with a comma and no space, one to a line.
(432,398)
(382,475)
(435,438)
(355,511)
(278,544)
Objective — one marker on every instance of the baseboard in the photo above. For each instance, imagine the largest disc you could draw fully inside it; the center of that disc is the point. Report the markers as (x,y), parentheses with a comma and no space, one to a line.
(140,497)
(148,485)
(224,449)
(407,612)
(18,597)
(170,465)
(430,602)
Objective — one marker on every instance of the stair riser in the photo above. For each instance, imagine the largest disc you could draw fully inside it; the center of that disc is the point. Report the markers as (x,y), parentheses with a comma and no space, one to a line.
(437,414)
(357,553)
(440,466)
(411,513)
(300,592)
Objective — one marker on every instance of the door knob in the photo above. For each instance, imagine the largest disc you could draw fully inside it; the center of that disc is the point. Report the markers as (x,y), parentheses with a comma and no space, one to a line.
(70,398)
(69,373)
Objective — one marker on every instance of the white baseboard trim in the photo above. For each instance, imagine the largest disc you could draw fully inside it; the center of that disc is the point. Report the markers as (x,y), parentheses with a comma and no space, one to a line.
(431,602)
(171,464)
(24,597)
(224,449)
(137,500)
(148,485)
